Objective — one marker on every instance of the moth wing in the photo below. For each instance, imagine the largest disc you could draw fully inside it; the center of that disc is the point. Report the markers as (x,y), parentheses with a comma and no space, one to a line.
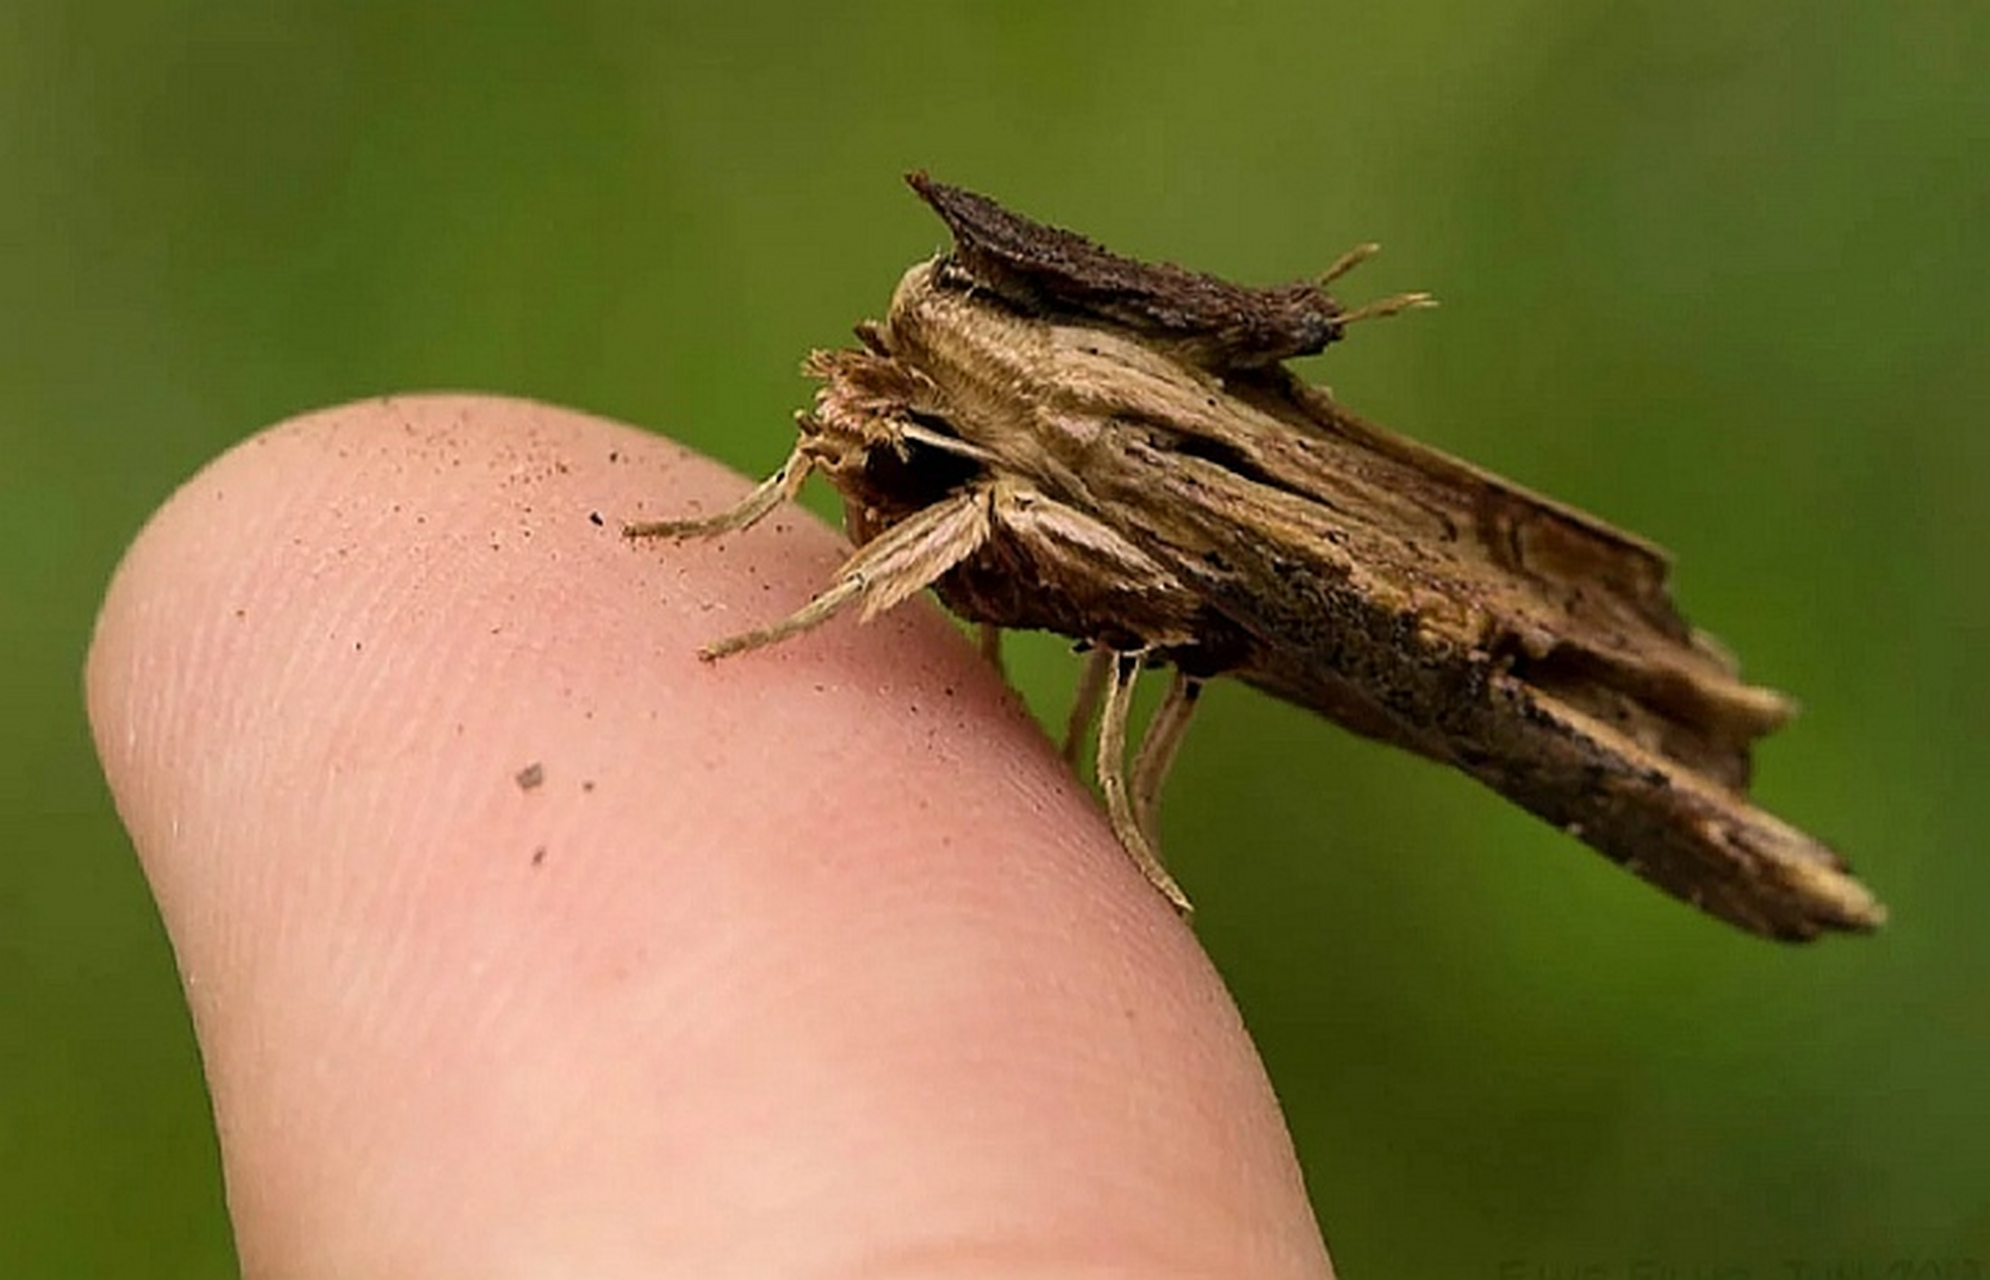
(1428,604)
(1047,269)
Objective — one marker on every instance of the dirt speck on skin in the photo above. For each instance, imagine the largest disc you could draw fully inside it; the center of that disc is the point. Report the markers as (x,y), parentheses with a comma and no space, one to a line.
(530,777)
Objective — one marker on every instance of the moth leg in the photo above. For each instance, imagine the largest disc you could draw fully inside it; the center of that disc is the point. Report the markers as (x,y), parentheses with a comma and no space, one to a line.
(1157,749)
(810,616)
(1112,779)
(990,637)
(886,571)
(780,487)
(1085,701)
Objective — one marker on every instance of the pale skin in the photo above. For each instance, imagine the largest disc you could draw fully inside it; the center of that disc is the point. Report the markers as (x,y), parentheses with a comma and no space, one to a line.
(812,962)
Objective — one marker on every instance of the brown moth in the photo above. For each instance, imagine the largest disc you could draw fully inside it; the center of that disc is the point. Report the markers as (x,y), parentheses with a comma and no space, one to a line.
(1052,436)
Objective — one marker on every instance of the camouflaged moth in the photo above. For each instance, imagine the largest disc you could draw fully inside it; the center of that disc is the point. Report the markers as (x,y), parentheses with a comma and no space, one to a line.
(1052,436)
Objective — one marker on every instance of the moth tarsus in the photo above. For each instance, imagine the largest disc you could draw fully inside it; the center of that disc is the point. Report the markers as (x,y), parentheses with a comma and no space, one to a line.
(1055,437)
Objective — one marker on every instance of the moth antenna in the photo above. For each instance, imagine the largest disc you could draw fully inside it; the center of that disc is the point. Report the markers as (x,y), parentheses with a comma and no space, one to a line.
(1381,307)
(1347,262)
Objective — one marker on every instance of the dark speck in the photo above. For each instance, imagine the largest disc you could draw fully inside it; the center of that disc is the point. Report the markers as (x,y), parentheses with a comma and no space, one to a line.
(530,776)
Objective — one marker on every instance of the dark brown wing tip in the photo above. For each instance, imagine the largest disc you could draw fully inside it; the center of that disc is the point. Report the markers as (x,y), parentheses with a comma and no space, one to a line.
(964,212)
(935,194)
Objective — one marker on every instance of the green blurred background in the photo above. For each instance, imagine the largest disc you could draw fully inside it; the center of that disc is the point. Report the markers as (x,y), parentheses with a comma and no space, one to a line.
(1715,269)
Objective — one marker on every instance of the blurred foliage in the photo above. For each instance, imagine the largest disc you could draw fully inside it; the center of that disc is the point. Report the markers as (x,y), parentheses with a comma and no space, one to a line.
(1713,269)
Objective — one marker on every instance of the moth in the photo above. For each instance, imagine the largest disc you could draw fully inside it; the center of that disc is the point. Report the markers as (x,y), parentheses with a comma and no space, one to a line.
(1053,436)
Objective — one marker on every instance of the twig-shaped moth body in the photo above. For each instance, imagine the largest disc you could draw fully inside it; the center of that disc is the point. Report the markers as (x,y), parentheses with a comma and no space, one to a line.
(1056,437)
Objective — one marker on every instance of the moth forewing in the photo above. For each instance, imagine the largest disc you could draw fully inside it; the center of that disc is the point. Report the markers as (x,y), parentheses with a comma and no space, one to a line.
(1055,437)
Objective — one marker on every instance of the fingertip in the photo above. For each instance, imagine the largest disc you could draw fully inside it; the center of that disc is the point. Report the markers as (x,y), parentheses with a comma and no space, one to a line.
(513,930)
